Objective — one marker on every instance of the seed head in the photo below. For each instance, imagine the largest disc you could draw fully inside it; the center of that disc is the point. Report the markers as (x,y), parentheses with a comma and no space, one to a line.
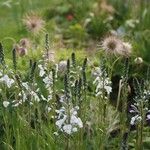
(112,44)
(34,23)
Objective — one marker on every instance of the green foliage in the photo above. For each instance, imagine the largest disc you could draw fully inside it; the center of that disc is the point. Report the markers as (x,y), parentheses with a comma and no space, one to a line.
(72,33)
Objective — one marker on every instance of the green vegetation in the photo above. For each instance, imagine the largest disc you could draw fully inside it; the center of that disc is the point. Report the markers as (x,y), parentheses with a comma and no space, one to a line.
(74,74)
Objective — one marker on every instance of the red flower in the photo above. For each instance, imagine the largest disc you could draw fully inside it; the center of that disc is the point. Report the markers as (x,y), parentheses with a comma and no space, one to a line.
(70,17)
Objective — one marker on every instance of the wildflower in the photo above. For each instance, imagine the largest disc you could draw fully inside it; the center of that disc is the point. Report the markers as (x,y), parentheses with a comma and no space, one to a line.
(112,44)
(138,60)
(35,96)
(96,72)
(34,23)
(51,56)
(69,17)
(148,117)
(135,119)
(5,104)
(48,80)
(60,122)
(131,23)
(74,129)
(126,49)
(68,123)
(67,128)
(62,66)
(56,133)
(25,84)
(49,109)
(8,81)
(20,50)
(25,43)
(42,71)
(102,84)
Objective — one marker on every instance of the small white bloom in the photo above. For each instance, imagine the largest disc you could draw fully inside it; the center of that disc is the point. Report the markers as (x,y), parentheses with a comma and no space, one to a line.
(138,60)
(62,65)
(74,129)
(8,81)
(96,72)
(49,109)
(135,119)
(67,128)
(25,85)
(42,71)
(108,89)
(80,123)
(5,104)
(60,122)
(56,133)
(148,117)
(35,96)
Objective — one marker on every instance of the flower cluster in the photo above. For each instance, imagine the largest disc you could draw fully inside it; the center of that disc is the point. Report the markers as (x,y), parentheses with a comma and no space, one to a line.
(22,47)
(102,82)
(68,120)
(6,80)
(135,109)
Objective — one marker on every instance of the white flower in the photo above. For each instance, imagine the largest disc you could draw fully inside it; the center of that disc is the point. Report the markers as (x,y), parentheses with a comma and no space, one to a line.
(138,60)
(131,23)
(74,129)
(56,133)
(25,84)
(108,89)
(5,104)
(42,71)
(74,121)
(48,80)
(148,117)
(80,123)
(60,122)
(35,96)
(102,84)
(135,119)
(8,81)
(62,65)
(67,128)
(49,109)
(96,72)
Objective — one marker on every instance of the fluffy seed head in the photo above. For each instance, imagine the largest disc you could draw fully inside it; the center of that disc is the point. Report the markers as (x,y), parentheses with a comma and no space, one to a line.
(126,49)
(112,44)
(34,23)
